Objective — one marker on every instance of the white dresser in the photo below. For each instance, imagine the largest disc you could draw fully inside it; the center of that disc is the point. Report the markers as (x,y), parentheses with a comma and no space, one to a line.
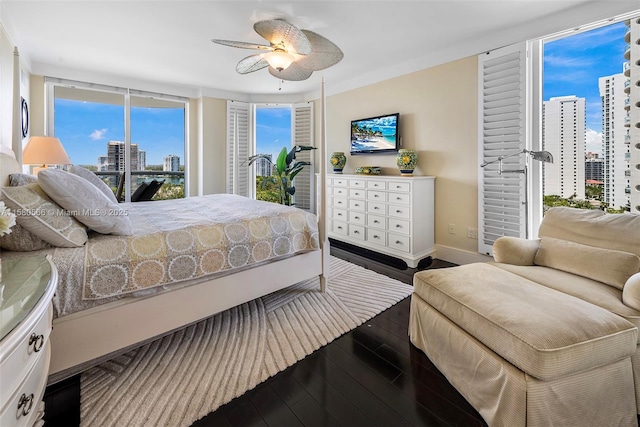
(26,289)
(387,214)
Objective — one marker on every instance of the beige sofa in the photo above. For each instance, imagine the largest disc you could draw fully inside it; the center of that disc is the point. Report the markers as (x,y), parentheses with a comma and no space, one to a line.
(548,333)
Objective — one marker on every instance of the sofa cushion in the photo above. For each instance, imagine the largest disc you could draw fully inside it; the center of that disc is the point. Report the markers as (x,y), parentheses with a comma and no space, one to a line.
(604,265)
(620,232)
(591,291)
(545,333)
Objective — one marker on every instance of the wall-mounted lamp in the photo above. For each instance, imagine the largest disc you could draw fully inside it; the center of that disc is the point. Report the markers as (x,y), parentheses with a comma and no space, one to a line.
(541,156)
(44,150)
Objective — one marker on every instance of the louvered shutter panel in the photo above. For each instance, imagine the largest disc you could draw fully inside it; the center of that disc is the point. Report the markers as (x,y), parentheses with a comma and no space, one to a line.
(238,172)
(502,122)
(302,132)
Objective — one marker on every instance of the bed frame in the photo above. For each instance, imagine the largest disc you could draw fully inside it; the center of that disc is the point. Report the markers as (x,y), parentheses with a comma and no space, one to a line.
(84,339)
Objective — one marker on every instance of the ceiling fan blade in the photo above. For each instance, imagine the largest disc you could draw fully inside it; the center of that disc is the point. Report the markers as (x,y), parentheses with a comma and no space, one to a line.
(324,53)
(242,45)
(280,33)
(292,73)
(251,63)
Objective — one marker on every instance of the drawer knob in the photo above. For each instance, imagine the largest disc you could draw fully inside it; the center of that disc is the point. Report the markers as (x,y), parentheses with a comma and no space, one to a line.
(356,232)
(375,221)
(375,208)
(398,226)
(398,211)
(339,228)
(25,404)
(356,217)
(398,242)
(376,237)
(356,205)
(375,195)
(37,341)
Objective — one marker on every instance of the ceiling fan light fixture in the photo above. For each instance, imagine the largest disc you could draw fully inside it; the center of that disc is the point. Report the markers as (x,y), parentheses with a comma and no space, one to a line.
(279,59)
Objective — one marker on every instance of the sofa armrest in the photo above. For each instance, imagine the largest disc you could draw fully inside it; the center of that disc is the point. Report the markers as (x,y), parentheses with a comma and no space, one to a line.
(514,250)
(631,292)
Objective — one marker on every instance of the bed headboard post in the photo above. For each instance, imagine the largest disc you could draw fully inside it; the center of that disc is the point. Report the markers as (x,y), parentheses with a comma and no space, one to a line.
(8,165)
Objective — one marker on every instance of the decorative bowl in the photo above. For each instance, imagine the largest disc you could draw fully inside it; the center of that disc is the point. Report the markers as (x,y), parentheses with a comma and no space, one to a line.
(368,170)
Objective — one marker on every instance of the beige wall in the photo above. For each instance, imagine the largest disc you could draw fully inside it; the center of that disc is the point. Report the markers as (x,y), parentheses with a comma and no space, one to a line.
(214,130)
(438,119)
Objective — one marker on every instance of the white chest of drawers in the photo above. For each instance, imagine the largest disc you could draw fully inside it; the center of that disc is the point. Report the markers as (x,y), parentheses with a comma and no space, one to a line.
(27,287)
(388,214)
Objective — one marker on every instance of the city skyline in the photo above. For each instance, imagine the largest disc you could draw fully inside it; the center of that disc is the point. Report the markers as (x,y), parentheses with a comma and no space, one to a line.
(573,65)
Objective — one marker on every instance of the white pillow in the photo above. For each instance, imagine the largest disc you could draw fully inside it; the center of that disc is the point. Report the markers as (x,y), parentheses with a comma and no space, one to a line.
(95,180)
(85,202)
(40,215)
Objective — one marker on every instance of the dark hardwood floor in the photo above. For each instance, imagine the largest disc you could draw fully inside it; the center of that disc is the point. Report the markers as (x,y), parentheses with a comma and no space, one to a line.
(371,376)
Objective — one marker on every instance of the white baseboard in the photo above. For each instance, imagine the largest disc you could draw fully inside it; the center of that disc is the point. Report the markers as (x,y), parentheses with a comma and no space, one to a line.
(459,256)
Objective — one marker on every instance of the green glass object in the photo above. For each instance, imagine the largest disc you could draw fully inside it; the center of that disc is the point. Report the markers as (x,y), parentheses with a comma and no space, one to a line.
(338,160)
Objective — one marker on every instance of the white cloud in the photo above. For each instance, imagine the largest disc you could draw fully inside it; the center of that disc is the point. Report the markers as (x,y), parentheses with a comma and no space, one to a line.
(593,141)
(98,134)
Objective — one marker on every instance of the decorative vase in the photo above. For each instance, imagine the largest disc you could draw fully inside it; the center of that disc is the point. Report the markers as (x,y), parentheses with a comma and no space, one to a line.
(406,160)
(338,160)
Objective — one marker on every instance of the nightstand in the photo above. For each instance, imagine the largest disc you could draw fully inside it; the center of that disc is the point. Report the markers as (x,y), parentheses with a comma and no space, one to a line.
(26,289)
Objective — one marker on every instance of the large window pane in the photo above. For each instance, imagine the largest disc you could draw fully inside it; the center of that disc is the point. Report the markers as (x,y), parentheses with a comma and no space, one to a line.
(86,122)
(157,145)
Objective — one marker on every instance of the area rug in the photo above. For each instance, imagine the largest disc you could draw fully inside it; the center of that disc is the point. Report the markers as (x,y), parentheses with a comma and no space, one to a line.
(178,379)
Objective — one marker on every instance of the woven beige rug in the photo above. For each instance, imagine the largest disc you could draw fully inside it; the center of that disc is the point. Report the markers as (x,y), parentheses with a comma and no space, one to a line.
(180,378)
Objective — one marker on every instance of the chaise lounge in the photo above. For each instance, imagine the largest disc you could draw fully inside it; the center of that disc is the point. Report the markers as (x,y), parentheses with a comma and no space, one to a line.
(547,334)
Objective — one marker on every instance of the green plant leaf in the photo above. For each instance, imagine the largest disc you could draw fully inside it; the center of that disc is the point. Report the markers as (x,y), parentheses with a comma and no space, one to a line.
(281,162)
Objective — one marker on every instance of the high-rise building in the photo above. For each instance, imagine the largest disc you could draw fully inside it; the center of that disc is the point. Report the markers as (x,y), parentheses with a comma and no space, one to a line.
(563,135)
(631,70)
(103,163)
(594,169)
(615,137)
(142,160)
(116,156)
(264,167)
(171,163)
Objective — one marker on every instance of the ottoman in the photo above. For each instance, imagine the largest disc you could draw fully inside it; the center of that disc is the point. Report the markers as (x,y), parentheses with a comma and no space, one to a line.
(521,353)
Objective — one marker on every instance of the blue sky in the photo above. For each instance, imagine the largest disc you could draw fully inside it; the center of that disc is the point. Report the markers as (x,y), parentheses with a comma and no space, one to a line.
(273,130)
(85,128)
(572,66)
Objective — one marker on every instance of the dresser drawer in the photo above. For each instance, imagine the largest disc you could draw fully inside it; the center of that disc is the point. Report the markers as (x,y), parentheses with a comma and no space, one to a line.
(356,231)
(377,208)
(21,408)
(378,237)
(356,193)
(399,186)
(357,218)
(399,226)
(356,205)
(339,214)
(340,182)
(356,183)
(400,198)
(376,221)
(376,196)
(22,358)
(399,242)
(340,192)
(340,227)
(339,202)
(376,185)
(399,211)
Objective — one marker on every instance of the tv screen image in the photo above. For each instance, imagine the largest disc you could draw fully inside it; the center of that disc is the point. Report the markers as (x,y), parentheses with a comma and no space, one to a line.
(375,134)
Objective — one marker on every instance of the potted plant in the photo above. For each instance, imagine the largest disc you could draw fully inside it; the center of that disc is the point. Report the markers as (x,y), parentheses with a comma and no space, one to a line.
(284,170)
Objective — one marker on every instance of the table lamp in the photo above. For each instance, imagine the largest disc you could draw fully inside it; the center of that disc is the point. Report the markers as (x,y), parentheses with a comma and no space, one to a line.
(44,150)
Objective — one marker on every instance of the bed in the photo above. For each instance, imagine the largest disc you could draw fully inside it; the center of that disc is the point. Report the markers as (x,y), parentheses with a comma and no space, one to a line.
(181,262)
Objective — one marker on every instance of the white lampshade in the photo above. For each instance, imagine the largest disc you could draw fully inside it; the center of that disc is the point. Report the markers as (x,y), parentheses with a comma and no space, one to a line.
(44,150)
(279,59)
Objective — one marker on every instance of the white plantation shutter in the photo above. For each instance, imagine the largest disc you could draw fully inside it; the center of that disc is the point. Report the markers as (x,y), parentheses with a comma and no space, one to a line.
(502,131)
(302,134)
(238,149)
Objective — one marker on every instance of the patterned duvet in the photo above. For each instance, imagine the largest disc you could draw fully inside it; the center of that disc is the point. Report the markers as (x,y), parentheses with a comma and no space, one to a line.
(178,241)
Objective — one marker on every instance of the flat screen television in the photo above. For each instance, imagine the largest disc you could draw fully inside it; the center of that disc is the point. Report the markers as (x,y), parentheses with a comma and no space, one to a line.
(375,135)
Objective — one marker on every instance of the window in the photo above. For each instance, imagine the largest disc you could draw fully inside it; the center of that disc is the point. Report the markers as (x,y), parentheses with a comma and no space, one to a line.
(124,136)
(248,134)
(513,117)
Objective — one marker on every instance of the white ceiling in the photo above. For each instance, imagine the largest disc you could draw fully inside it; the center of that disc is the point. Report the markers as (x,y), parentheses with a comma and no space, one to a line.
(168,43)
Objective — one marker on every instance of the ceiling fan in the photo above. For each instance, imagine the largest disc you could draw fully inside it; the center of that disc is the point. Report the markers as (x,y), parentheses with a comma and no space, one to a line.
(292,53)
